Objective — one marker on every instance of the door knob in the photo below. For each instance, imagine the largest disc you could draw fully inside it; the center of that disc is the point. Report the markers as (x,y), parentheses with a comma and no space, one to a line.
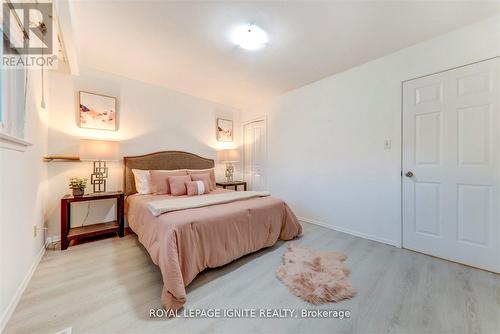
(409,174)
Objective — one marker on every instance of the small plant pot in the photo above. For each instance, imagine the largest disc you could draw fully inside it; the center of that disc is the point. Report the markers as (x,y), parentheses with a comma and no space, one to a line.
(77,192)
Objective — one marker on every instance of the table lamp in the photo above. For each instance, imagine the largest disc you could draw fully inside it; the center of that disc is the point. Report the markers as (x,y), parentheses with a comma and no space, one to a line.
(228,157)
(98,151)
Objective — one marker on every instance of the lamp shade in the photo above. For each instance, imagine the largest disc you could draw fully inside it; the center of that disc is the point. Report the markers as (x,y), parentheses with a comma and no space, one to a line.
(230,155)
(95,150)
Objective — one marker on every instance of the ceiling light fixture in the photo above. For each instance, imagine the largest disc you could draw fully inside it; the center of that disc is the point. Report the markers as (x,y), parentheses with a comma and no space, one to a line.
(249,37)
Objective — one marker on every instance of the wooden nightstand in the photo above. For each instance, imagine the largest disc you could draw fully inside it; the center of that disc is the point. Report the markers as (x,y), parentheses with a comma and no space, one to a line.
(234,184)
(68,233)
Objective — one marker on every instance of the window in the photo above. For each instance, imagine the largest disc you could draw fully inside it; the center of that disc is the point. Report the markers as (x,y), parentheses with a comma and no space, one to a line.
(1,80)
(12,97)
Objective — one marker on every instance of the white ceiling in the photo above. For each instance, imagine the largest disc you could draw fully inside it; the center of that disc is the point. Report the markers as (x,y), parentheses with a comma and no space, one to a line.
(184,46)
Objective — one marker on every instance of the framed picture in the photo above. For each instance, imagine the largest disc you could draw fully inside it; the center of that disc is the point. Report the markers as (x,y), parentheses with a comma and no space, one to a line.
(224,129)
(97,111)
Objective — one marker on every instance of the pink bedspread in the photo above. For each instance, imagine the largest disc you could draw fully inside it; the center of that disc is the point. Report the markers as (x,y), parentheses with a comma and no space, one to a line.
(184,243)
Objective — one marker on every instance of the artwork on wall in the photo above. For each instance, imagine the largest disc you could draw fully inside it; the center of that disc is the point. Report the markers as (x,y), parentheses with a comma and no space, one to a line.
(224,129)
(97,111)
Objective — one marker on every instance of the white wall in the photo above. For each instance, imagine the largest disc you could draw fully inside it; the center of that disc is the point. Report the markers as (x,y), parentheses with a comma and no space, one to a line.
(151,118)
(326,153)
(23,190)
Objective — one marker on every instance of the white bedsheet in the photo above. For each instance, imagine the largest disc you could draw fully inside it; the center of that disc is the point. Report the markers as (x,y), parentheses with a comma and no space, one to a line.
(182,203)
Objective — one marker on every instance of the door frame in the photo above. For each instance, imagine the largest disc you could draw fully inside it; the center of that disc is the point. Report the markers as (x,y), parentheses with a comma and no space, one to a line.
(243,124)
(402,139)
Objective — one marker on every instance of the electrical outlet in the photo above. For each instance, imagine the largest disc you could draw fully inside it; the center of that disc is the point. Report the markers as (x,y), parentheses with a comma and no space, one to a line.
(34,231)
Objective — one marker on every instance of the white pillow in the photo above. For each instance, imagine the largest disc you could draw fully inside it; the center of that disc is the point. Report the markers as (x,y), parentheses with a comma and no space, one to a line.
(142,181)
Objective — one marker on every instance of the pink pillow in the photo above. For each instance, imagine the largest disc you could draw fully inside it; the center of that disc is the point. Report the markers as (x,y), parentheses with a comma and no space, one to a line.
(209,171)
(204,178)
(197,188)
(178,184)
(159,184)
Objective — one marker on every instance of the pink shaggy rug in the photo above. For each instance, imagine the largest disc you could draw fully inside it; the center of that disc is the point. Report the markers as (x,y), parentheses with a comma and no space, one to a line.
(317,277)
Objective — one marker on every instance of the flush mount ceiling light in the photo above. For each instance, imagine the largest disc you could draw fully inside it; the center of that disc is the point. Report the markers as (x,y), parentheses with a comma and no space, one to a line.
(249,37)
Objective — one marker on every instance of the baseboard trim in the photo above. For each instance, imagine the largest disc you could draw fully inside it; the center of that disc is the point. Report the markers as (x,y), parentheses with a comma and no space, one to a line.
(351,232)
(17,296)
(52,239)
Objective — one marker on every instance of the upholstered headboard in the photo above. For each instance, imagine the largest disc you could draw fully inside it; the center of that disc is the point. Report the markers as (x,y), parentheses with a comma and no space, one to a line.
(160,160)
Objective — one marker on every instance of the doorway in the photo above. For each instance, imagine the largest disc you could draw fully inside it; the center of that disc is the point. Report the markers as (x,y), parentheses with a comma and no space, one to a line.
(254,154)
(451,165)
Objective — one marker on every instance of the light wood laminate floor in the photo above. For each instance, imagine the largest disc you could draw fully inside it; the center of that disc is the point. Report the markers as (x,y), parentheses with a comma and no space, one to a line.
(108,286)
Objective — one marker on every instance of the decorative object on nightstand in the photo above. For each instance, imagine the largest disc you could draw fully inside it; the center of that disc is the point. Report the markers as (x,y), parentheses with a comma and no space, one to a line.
(229,157)
(77,186)
(234,184)
(98,151)
(68,233)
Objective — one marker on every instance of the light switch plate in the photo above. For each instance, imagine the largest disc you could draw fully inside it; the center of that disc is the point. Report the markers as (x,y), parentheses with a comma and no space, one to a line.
(387,144)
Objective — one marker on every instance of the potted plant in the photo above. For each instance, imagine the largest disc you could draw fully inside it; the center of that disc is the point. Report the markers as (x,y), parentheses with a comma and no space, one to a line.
(77,185)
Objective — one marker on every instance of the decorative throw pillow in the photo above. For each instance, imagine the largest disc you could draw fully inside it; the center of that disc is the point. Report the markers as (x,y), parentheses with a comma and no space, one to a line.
(197,188)
(159,184)
(142,181)
(202,177)
(210,172)
(178,184)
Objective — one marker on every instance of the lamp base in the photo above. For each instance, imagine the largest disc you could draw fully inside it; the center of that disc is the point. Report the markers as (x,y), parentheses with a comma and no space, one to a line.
(98,177)
(229,172)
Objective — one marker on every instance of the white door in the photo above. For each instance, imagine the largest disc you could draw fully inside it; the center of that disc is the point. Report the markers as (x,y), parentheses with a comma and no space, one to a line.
(451,150)
(254,139)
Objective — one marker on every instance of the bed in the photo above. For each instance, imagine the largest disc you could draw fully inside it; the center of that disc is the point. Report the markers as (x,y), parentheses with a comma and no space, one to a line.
(185,242)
